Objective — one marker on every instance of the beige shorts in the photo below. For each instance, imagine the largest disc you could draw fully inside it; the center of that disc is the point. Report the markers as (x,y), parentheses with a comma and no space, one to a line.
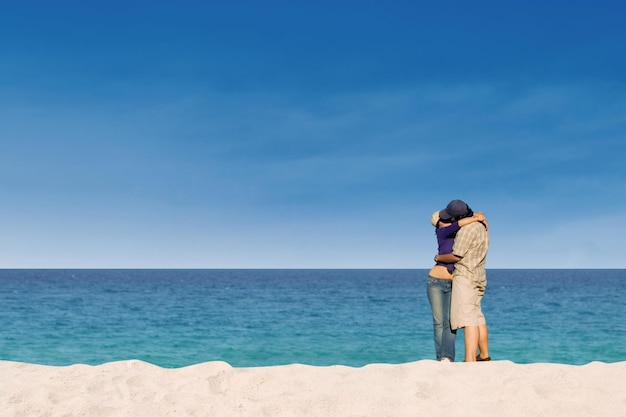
(465,304)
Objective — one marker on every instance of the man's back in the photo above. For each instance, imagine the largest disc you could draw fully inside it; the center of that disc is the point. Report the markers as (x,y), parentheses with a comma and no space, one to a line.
(471,244)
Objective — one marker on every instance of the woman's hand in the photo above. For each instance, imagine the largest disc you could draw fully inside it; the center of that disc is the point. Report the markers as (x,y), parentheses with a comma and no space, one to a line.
(479,216)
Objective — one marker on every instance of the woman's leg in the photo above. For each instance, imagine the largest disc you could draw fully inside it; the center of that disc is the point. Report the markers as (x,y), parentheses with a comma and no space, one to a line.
(448,336)
(439,291)
(435,297)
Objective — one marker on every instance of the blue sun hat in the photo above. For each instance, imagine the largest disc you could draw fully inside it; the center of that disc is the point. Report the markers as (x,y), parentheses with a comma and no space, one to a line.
(455,208)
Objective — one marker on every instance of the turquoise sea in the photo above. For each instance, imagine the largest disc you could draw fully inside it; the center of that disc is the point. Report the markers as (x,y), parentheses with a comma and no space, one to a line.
(175,318)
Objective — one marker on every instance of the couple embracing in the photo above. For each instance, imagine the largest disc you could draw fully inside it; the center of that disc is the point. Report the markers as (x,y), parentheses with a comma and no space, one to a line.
(457,282)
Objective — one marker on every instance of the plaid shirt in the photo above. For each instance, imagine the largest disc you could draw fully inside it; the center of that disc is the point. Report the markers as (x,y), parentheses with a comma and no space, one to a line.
(471,244)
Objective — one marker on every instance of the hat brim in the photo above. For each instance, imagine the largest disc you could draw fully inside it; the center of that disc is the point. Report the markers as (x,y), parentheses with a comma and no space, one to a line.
(444,215)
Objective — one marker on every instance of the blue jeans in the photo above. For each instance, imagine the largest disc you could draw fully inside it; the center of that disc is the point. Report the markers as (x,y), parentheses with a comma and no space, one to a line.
(439,294)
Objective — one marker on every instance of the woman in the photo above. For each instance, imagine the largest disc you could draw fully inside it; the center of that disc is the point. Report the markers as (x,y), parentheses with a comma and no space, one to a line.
(439,286)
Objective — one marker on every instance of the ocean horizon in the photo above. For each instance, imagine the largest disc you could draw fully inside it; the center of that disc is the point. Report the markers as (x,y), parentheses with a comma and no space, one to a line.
(263,317)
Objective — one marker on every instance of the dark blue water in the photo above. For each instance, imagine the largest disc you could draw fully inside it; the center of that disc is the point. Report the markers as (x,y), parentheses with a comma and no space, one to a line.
(175,318)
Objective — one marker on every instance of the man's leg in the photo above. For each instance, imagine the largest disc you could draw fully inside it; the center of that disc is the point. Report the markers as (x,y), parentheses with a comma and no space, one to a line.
(472,335)
(483,341)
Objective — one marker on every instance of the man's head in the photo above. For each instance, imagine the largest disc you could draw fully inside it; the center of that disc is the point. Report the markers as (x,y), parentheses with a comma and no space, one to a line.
(455,210)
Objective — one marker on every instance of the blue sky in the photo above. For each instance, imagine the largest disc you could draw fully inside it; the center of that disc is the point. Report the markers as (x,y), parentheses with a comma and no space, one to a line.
(279,134)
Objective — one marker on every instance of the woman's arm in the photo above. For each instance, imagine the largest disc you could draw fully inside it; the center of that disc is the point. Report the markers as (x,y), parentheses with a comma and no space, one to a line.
(478,217)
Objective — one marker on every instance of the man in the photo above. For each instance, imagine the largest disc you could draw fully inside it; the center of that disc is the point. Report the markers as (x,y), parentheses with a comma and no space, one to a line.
(469,281)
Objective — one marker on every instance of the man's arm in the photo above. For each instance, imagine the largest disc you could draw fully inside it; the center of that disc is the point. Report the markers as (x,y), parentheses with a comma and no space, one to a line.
(447,258)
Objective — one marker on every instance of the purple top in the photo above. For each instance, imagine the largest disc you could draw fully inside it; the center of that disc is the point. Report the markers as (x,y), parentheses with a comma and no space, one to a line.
(445,240)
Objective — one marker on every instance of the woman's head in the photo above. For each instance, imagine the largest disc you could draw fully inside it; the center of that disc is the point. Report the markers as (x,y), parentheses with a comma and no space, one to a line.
(434,219)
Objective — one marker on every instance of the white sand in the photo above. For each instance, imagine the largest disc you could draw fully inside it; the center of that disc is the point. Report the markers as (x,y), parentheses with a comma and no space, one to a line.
(424,388)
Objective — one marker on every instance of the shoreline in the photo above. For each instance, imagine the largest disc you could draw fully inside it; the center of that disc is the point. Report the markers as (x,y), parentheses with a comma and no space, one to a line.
(425,387)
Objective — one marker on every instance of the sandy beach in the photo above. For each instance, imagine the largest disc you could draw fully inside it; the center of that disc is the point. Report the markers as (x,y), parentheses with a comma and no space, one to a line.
(423,388)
